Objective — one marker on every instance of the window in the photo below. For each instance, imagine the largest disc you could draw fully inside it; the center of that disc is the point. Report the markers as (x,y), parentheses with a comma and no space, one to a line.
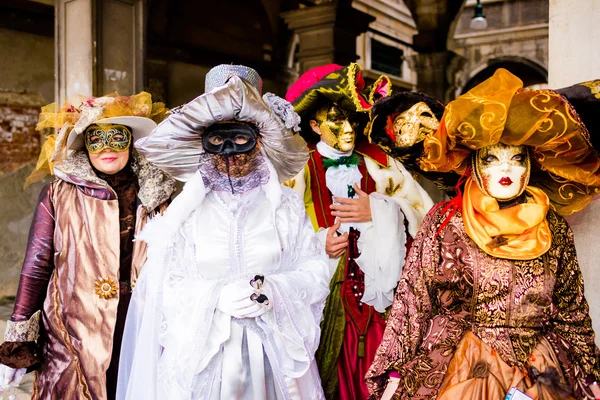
(387,59)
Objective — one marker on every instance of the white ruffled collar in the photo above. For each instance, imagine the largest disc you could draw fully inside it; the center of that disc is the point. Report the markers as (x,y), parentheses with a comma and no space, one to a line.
(329,152)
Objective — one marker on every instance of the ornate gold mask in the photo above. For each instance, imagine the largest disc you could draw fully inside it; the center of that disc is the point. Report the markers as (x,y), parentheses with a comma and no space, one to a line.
(100,137)
(412,125)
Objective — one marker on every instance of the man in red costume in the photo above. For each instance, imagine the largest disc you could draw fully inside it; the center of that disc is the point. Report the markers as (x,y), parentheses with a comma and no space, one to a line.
(365,207)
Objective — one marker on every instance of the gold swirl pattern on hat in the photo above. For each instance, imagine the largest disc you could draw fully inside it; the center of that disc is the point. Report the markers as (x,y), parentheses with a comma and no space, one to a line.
(499,110)
(594,87)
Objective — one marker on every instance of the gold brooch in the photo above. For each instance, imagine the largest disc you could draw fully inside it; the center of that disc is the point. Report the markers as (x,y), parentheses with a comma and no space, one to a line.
(106,288)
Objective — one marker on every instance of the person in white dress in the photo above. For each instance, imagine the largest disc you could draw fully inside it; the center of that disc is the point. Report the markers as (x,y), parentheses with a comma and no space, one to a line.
(229,302)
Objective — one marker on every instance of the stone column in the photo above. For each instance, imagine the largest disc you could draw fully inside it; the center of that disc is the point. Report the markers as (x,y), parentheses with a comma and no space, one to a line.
(574,56)
(436,73)
(326,33)
(99,47)
(574,34)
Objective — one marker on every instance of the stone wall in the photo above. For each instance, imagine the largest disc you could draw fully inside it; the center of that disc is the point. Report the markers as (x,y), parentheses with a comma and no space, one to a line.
(26,83)
(16,209)
(27,64)
(394,27)
(574,58)
(19,142)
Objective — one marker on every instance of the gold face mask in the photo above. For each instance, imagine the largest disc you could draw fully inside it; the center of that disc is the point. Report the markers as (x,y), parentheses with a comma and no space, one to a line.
(413,125)
(107,136)
(502,171)
(335,127)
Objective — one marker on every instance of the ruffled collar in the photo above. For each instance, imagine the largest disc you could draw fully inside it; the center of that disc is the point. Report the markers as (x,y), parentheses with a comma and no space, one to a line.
(155,186)
(329,152)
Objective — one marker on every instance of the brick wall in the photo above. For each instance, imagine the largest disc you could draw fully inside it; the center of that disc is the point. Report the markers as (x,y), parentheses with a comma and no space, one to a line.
(19,142)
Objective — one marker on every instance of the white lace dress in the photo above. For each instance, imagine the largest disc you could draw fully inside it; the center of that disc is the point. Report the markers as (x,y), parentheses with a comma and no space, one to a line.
(178,346)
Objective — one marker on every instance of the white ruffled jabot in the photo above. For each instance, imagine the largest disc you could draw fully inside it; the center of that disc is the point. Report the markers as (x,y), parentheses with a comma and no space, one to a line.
(338,179)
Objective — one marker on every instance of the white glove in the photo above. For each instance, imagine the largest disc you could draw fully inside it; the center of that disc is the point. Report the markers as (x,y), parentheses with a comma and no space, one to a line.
(235,300)
(10,377)
(390,389)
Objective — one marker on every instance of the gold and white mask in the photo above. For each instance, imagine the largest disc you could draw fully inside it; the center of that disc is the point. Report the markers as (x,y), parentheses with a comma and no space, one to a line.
(502,171)
(414,124)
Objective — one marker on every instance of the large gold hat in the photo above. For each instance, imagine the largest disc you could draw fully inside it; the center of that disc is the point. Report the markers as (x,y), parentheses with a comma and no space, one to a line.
(565,164)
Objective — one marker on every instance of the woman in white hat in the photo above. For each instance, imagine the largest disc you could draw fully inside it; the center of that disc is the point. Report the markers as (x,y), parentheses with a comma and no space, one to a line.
(81,262)
(229,302)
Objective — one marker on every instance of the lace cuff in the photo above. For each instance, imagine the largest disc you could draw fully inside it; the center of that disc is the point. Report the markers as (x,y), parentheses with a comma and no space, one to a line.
(23,331)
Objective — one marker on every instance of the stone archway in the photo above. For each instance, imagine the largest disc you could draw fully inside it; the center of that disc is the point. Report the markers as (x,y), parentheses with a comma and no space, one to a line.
(528,71)
(516,39)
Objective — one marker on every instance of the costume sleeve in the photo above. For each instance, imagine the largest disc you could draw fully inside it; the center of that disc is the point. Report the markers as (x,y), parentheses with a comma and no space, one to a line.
(18,350)
(39,260)
(298,294)
(382,246)
(411,309)
(572,321)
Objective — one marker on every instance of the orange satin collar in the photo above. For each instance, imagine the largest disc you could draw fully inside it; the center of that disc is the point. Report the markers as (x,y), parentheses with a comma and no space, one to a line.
(520,232)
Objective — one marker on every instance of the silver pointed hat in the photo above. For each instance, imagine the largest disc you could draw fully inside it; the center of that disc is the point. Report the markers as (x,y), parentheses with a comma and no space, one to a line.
(220,74)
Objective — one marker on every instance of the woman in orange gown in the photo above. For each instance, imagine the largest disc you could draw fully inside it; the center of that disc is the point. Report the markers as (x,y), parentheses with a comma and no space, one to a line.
(491,296)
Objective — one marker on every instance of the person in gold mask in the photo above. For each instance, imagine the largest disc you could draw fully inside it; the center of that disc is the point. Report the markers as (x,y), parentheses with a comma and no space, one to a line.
(491,300)
(81,262)
(365,207)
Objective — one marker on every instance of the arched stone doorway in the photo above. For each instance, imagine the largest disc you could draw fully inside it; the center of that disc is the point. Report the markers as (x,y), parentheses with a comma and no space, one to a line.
(529,72)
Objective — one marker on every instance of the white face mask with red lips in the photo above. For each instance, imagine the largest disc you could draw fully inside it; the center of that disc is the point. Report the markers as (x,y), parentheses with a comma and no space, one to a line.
(502,171)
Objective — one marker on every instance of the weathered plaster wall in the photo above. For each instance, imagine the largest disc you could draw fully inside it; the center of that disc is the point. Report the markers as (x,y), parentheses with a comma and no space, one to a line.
(16,209)
(574,58)
(27,64)
(26,83)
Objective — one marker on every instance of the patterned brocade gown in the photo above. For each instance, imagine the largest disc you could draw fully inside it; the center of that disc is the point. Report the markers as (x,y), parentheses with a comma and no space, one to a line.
(465,325)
